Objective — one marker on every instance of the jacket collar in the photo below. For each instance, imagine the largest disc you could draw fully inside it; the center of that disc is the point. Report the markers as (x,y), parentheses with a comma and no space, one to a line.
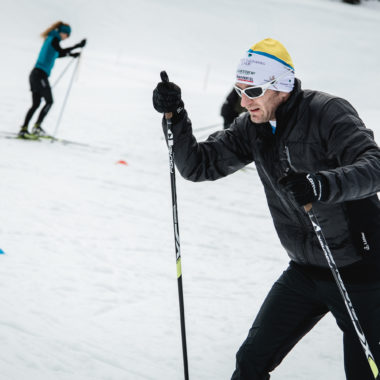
(283,114)
(285,109)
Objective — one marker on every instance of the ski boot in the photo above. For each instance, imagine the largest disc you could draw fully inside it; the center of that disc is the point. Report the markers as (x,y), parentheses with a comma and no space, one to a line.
(24,134)
(38,131)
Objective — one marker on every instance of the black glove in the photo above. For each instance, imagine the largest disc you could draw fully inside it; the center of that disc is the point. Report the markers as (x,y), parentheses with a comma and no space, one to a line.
(82,43)
(304,187)
(74,55)
(167,98)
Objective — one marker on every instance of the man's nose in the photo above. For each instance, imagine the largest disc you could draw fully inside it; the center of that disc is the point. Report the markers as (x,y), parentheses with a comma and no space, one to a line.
(245,101)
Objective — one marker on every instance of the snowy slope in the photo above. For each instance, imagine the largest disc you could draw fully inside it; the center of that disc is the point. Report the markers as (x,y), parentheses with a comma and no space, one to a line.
(88,279)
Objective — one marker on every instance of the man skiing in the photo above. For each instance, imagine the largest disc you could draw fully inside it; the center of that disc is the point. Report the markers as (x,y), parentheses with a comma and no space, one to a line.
(309,147)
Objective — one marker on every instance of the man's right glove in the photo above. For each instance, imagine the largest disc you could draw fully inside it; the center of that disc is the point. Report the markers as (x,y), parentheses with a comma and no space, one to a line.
(305,188)
(167,98)
(74,55)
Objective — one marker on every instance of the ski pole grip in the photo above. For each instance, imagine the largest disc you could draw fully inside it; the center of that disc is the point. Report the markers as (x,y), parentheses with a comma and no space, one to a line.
(165,78)
(308,207)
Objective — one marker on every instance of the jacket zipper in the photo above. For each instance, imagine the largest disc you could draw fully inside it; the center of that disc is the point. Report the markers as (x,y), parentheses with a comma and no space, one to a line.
(294,208)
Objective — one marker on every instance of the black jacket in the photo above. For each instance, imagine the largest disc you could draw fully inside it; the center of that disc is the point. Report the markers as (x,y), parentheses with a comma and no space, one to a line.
(316,132)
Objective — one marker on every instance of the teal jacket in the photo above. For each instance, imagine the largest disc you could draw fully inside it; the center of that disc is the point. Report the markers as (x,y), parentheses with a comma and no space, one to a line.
(48,54)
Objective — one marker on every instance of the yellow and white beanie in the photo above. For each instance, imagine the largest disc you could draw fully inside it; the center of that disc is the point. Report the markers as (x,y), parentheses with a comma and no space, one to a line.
(265,61)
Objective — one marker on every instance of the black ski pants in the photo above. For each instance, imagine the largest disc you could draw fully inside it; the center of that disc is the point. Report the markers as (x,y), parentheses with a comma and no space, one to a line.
(296,302)
(40,87)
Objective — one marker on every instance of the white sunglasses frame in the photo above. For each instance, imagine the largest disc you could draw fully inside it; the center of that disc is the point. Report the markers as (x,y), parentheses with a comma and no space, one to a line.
(263,87)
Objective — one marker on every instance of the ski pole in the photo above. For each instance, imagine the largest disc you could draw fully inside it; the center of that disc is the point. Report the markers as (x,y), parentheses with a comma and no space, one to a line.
(65,100)
(342,289)
(63,72)
(165,78)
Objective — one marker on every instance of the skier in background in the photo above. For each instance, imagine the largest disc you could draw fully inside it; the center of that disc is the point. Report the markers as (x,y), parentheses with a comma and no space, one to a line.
(39,82)
(231,108)
(309,147)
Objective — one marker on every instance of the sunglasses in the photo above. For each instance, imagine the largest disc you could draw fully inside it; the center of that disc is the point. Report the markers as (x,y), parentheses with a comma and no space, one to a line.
(257,91)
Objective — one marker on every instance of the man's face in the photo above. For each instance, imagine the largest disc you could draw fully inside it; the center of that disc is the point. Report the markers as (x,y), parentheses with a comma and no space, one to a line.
(262,109)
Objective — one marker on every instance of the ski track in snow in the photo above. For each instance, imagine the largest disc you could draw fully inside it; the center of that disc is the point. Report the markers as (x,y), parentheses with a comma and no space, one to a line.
(88,278)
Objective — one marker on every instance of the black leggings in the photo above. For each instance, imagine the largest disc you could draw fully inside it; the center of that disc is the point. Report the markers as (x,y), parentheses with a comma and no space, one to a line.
(40,87)
(294,305)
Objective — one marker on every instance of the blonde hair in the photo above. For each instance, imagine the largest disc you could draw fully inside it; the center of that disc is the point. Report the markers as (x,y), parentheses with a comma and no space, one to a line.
(54,26)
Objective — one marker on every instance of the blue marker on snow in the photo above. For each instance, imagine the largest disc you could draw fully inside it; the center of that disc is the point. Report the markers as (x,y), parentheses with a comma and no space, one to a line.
(1,251)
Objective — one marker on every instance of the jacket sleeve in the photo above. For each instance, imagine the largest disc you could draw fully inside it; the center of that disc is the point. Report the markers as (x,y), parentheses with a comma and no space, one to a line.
(223,153)
(62,52)
(358,173)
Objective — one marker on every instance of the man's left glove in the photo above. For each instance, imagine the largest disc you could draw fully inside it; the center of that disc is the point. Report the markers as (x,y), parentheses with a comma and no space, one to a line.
(305,187)
(167,98)
(74,55)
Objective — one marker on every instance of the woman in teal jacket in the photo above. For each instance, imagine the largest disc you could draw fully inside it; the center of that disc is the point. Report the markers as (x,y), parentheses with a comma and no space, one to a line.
(39,82)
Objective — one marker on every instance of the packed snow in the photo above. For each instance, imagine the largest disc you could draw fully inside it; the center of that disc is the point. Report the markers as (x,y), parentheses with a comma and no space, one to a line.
(88,275)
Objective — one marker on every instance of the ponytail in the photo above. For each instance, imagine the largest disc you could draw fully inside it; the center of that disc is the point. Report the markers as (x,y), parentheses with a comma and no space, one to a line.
(54,26)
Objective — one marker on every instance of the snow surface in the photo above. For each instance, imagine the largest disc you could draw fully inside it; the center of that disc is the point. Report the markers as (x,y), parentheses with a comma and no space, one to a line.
(88,280)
